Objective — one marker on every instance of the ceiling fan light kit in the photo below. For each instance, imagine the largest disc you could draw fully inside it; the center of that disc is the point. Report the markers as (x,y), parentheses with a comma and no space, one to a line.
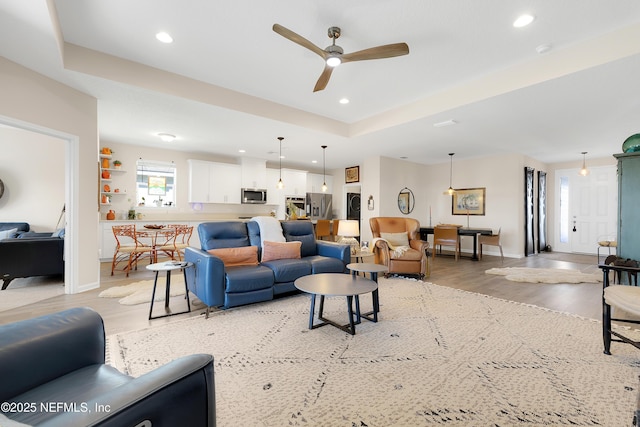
(334,55)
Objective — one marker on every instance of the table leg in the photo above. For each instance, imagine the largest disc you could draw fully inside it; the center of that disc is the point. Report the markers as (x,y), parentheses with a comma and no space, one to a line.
(186,289)
(312,310)
(167,291)
(475,247)
(153,294)
(352,326)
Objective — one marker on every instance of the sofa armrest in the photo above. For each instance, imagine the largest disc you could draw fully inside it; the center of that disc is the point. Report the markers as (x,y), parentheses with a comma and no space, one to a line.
(75,337)
(334,250)
(381,252)
(207,279)
(180,393)
(419,245)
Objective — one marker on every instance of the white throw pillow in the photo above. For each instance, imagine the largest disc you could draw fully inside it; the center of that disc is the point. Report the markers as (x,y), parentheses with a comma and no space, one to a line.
(396,239)
(5,234)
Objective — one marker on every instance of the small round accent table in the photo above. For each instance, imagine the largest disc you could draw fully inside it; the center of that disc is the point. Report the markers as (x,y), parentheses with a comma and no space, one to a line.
(169,266)
(335,284)
(373,270)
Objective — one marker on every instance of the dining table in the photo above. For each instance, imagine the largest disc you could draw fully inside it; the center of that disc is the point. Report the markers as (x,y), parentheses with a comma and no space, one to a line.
(462,231)
(165,234)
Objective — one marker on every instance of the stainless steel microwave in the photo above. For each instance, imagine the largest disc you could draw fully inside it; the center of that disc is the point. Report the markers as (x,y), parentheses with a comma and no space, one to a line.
(253,196)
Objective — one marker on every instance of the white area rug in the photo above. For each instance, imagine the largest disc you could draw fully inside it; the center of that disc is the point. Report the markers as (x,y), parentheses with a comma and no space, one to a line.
(545,275)
(438,356)
(28,290)
(140,292)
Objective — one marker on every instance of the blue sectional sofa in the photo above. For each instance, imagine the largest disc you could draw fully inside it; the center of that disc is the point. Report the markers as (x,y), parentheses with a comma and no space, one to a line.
(218,285)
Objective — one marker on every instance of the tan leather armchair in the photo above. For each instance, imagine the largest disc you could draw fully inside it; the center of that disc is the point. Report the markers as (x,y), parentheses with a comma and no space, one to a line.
(411,260)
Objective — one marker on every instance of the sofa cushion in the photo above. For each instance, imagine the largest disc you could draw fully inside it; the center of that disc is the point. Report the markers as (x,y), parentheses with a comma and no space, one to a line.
(288,270)
(244,255)
(301,231)
(323,264)
(223,234)
(280,250)
(248,278)
(76,387)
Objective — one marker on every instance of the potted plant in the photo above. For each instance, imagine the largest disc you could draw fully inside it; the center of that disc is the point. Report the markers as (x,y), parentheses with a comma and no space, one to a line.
(117,164)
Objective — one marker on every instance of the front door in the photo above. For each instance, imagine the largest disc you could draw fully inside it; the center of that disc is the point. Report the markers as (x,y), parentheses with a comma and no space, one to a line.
(587,208)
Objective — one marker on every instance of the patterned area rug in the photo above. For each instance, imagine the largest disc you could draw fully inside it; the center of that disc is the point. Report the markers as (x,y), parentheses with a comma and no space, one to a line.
(545,275)
(438,356)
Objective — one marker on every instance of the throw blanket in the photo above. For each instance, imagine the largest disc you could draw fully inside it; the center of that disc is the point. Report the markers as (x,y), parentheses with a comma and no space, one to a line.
(270,229)
(397,251)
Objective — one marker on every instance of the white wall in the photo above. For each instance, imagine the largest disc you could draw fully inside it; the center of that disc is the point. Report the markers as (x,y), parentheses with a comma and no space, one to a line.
(33,101)
(32,168)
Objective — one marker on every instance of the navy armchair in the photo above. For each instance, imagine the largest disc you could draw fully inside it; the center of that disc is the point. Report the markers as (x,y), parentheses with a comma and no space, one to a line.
(53,373)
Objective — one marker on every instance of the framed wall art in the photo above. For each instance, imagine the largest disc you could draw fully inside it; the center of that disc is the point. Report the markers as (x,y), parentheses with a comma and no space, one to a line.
(352,174)
(468,201)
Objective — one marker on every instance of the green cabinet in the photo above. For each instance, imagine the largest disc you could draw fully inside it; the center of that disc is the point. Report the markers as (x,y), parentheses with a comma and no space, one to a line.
(628,205)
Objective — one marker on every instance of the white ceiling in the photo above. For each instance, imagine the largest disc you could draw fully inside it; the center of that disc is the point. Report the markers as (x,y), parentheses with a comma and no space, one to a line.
(233,83)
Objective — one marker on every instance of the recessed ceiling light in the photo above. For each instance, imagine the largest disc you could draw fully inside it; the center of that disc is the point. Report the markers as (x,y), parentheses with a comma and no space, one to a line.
(166,137)
(344,101)
(523,20)
(164,37)
(543,48)
(314,161)
(445,123)
(242,151)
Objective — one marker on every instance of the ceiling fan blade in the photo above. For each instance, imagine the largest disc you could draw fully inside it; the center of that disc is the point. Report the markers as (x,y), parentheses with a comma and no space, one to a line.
(324,78)
(386,51)
(297,38)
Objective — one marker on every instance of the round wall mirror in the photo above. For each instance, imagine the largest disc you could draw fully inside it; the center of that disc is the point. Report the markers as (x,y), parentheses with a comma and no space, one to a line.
(406,201)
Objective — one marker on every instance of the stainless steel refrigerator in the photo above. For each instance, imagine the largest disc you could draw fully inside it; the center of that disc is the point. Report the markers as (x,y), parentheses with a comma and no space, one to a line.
(318,206)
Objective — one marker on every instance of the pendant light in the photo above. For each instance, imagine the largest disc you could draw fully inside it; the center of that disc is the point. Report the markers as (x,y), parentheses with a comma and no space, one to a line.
(584,171)
(450,190)
(280,183)
(324,171)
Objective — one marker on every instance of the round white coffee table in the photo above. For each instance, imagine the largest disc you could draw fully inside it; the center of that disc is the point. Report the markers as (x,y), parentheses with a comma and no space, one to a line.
(335,284)
(169,266)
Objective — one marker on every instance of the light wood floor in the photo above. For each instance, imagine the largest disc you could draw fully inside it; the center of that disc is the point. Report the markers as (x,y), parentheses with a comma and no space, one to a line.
(583,299)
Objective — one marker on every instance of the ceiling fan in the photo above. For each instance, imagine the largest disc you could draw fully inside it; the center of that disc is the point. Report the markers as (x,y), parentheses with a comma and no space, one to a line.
(334,55)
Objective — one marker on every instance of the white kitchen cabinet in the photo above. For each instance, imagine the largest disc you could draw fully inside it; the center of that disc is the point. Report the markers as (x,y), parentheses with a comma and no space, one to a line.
(315,181)
(211,182)
(224,183)
(295,182)
(254,173)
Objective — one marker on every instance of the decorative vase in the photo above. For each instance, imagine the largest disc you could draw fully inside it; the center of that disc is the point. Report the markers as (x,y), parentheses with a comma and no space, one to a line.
(111,215)
(105,163)
(631,144)
(107,189)
(106,174)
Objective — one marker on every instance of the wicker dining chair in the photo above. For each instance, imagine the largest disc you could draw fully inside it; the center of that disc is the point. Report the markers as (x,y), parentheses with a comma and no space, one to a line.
(128,248)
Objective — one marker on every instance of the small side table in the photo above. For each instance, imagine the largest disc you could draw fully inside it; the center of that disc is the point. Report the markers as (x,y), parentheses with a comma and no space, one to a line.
(169,266)
(359,256)
(373,270)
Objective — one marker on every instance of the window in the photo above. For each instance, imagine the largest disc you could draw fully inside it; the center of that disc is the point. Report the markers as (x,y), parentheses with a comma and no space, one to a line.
(155,184)
(564,209)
